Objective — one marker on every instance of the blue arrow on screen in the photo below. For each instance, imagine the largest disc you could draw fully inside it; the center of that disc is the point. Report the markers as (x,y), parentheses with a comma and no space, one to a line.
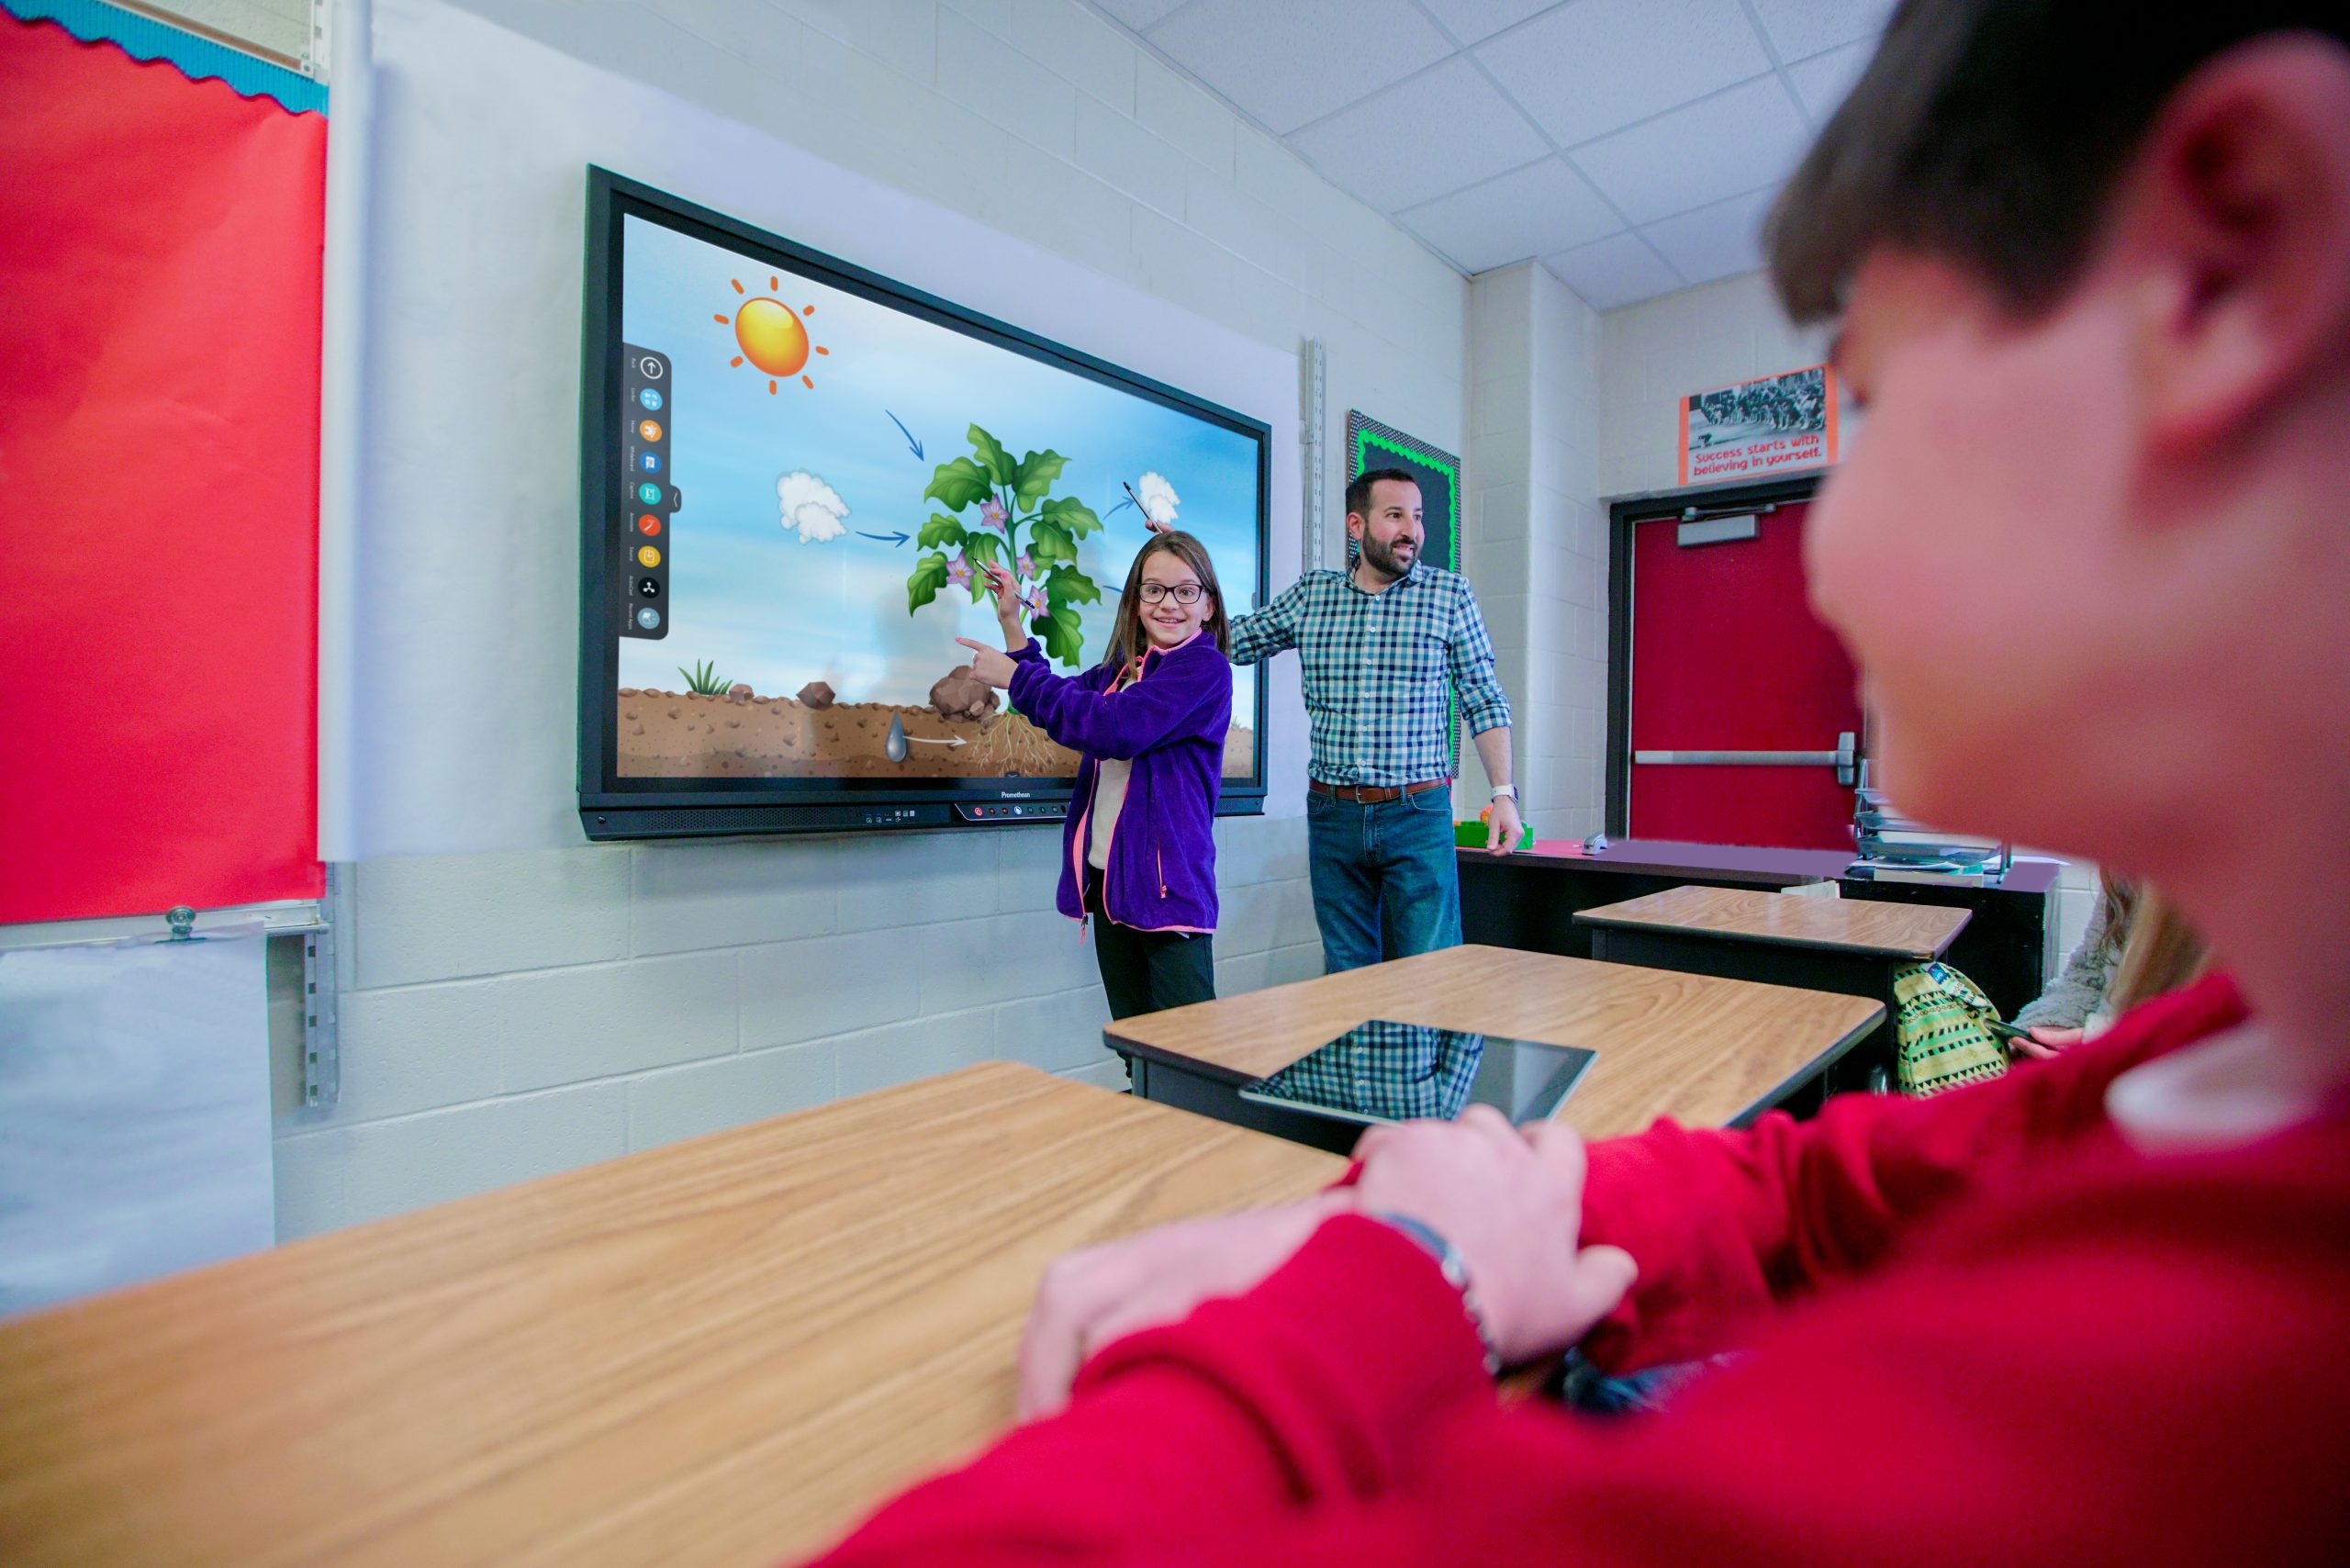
(904,432)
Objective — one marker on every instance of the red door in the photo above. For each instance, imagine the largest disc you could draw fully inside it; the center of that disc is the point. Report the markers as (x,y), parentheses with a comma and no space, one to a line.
(1742,703)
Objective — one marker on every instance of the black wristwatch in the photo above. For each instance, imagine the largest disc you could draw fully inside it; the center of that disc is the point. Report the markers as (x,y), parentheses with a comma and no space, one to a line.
(1456,1274)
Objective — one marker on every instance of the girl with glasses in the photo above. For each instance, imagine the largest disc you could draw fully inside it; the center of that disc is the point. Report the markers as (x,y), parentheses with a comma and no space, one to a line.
(1149,724)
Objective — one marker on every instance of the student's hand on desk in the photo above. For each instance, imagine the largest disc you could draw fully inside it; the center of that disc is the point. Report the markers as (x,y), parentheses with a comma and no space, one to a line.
(990,665)
(2046,1042)
(1091,1297)
(1510,1201)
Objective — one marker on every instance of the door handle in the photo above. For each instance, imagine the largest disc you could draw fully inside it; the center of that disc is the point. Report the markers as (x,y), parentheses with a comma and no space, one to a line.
(1843,759)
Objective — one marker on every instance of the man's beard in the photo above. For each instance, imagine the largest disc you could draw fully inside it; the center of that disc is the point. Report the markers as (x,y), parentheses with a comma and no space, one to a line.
(1383,558)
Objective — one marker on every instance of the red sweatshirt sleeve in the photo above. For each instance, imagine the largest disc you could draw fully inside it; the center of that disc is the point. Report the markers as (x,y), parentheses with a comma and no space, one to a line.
(2142,1368)
(1727,1225)
(1262,1408)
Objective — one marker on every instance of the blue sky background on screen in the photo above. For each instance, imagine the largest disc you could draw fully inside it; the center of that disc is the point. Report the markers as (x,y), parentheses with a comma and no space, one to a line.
(748,594)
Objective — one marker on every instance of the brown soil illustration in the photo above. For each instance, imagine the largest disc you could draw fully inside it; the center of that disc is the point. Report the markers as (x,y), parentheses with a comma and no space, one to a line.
(670,735)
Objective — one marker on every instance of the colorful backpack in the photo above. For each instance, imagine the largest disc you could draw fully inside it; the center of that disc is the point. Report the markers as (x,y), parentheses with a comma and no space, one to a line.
(1940,1036)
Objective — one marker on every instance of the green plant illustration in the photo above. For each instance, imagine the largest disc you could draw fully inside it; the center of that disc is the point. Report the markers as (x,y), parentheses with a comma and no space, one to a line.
(1011,497)
(704,680)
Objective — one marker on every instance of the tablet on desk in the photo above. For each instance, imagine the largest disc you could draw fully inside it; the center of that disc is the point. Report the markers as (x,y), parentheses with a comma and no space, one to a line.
(1382,1071)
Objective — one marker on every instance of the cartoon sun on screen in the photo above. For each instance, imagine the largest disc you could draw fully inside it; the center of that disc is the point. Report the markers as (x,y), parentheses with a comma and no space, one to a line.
(771,335)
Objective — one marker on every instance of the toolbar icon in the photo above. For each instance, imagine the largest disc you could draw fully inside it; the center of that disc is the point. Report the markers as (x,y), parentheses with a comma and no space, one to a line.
(651,399)
(649,617)
(649,429)
(648,556)
(649,493)
(648,525)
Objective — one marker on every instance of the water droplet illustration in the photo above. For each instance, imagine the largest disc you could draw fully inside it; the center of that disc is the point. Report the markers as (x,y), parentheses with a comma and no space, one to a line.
(895,748)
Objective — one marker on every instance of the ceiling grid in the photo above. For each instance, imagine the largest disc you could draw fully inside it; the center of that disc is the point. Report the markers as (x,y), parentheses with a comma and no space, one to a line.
(1632,147)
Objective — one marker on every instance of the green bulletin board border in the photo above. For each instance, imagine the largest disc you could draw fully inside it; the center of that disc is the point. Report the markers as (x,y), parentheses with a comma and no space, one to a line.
(1366,435)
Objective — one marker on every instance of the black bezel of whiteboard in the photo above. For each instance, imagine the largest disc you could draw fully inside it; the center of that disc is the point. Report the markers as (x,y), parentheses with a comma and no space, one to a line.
(611,807)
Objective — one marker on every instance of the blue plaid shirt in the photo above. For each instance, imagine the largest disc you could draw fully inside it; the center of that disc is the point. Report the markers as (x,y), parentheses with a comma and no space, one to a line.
(1377,669)
(1401,1072)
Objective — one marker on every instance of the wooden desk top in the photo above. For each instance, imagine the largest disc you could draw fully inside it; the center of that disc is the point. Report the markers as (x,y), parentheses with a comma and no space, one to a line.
(1899,930)
(1702,1050)
(721,1352)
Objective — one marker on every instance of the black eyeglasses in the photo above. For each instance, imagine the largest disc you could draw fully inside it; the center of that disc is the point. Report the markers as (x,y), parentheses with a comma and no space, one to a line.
(1185,593)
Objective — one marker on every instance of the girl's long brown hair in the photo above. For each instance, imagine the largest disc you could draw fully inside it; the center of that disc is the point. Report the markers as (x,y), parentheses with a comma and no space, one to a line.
(1125,633)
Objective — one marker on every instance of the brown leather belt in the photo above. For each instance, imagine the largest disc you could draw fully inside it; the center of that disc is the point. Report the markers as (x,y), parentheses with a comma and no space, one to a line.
(1374,794)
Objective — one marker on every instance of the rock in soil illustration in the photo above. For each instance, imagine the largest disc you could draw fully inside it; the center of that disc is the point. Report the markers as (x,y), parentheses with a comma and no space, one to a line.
(816,695)
(960,695)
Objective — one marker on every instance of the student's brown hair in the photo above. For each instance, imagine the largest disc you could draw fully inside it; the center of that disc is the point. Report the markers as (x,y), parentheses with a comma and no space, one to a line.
(1125,633)
(1990,133)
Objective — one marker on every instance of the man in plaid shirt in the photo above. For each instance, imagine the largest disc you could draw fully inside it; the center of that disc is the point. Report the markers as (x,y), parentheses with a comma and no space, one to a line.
(1383,647)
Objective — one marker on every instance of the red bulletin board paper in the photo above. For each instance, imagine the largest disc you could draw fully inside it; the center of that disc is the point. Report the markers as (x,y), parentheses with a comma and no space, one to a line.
(160,250)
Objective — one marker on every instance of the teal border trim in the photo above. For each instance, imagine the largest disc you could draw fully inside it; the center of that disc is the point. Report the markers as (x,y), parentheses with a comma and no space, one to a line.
(198,59)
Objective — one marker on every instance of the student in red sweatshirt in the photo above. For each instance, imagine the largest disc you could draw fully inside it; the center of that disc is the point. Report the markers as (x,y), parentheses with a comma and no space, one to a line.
(2094,283)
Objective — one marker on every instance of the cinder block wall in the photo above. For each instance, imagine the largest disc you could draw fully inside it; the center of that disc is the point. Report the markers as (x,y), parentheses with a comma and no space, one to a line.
(1536,539)
(512,1015)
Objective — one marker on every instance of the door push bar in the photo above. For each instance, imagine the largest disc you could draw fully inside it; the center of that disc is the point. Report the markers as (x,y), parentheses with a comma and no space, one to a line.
(1843,760)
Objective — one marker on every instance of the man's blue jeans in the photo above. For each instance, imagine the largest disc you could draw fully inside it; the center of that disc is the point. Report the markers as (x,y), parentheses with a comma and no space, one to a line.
(1385,883)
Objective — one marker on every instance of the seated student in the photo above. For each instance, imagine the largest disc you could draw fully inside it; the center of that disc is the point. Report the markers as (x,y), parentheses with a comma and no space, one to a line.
(2059,1014)
(2095,286)
(2137,946)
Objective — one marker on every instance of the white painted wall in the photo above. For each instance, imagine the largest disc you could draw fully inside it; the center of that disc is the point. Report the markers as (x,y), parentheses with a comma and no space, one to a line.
(1536,540)
(509,1014)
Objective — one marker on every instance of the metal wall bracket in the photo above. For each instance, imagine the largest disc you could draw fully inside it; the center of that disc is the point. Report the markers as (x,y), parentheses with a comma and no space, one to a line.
(321,1035)
(1316,520)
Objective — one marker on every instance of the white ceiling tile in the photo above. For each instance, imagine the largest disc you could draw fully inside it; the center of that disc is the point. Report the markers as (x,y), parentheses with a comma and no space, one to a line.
(1597,66)
(1800,28)
(1441,130)
(1532,211)
(1470,20)
(1139,14)
(1731,143)
(1720,241)
(1822,81)
(1614,271)
(1290,64)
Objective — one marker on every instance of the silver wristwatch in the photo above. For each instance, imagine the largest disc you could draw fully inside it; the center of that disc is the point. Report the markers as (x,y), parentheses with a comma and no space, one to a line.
(1455,1272)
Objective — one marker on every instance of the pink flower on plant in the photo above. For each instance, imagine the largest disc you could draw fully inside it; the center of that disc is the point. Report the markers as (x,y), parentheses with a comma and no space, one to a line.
(958,571)
(1027,566)
(992,512)
(1033,601)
